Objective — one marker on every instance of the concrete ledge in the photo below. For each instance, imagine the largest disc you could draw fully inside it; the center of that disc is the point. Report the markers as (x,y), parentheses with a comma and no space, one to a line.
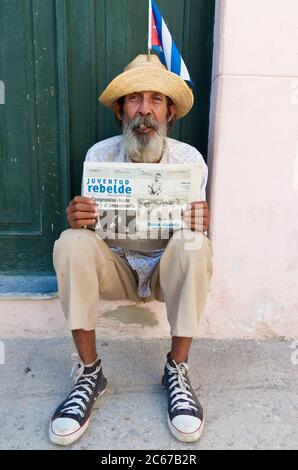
(28,287)
(44,318)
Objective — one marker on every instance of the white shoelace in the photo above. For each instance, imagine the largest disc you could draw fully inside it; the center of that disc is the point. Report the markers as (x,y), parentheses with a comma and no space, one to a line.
(180,388)
(72,406)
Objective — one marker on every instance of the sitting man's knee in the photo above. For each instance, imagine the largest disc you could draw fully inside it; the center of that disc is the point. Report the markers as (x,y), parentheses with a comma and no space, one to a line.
(77,234)
(190,241)
(72,238)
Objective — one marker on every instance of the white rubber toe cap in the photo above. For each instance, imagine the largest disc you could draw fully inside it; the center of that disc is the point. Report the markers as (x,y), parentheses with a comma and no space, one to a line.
(186,428)
(65,431)
(186,423)
(64,426)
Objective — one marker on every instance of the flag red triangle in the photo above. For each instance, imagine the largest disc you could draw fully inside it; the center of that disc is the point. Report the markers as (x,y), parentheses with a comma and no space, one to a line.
(154,34)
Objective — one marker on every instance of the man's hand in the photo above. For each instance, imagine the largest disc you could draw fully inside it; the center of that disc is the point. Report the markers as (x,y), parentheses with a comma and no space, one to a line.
(197,216)
(81,212)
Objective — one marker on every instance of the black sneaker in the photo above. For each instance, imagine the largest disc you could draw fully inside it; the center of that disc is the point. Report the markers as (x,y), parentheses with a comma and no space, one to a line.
(185,414)
(72,417)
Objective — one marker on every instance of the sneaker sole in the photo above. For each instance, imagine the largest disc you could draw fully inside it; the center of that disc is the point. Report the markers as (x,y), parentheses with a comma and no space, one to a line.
(183,436)
(65,440)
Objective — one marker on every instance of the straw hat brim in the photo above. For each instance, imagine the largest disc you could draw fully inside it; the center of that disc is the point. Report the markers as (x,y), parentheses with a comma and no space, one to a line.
(153,79)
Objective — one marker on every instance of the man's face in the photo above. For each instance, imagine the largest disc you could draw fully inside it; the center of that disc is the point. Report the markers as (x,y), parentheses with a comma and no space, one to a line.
(145,117)
(147,103)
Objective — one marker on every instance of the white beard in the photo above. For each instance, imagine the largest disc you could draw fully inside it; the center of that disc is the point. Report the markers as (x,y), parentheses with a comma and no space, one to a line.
(142,148)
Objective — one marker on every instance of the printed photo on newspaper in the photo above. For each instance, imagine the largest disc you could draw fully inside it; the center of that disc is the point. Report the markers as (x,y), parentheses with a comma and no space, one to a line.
(141,200)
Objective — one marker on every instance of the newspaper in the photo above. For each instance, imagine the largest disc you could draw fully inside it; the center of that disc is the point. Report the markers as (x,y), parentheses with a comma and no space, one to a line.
(141,200)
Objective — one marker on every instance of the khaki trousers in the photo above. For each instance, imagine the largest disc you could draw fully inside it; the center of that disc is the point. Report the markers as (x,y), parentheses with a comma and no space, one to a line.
(88,270)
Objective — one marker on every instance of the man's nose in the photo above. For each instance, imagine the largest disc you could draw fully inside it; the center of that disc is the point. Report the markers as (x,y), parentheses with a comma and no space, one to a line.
(145,107)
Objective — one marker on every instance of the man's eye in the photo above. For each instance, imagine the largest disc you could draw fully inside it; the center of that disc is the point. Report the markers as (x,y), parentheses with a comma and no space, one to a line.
(133,97)
(157,98)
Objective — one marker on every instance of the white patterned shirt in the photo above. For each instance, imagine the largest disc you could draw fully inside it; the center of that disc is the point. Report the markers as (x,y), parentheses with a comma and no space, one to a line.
(142,260)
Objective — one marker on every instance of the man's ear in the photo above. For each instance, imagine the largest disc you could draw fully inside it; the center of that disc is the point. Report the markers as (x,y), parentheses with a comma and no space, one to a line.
(171,113)
(117,108)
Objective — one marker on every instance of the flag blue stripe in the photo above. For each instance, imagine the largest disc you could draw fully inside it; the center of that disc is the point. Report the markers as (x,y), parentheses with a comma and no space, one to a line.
(162,57)
(175,60)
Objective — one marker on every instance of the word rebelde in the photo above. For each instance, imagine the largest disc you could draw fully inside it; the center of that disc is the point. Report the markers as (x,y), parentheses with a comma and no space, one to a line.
(108,186)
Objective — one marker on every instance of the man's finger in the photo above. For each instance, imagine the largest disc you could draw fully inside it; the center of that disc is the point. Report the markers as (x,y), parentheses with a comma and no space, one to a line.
(82,207)
(194,212)
(81,223)
(200,225)
(194,225)
(197,220)
(197,204)
(75,216)
(82,200)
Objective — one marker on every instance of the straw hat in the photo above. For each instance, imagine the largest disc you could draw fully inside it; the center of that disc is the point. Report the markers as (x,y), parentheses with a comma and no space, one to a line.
(149,75)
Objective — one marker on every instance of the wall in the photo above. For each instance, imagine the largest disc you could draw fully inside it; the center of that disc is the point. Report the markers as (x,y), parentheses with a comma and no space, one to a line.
(253,161)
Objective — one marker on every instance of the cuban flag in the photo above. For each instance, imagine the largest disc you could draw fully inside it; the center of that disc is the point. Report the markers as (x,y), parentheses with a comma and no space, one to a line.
(160,38)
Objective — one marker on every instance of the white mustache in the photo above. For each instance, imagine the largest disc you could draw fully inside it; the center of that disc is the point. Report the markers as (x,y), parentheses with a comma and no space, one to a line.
(143,122)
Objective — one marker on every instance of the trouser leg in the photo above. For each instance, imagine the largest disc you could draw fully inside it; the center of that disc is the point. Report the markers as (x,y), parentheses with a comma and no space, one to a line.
(88,270)
(185,272)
